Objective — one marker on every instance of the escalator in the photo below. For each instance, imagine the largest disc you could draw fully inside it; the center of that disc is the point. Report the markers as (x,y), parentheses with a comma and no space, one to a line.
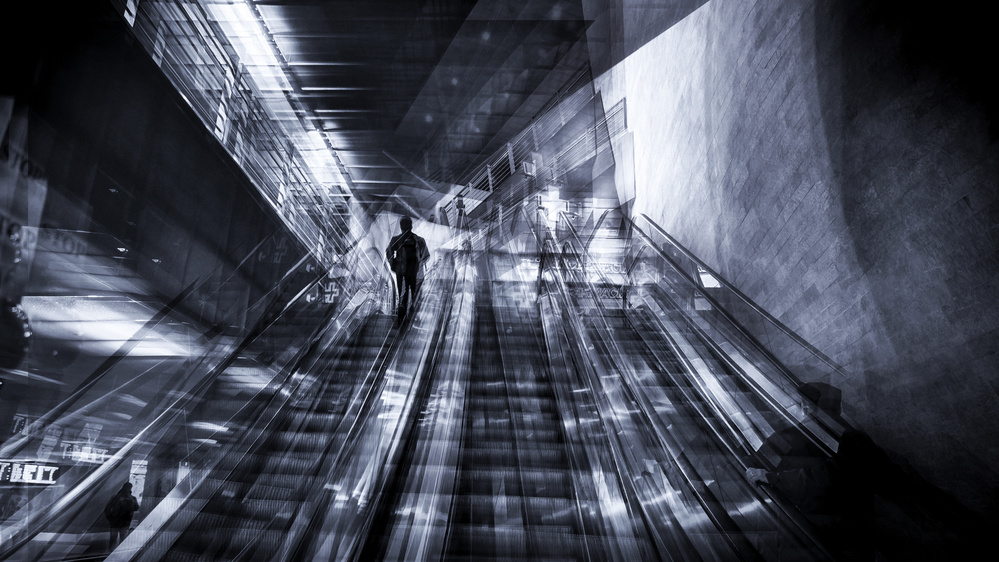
(369,468)
(681,427)
(243,509)
(525,414)
(737,520)
(515,494)
(515,478)
(833,513)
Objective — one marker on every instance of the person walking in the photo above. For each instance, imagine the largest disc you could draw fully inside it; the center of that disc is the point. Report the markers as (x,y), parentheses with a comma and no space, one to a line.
(407,253)
(119,511)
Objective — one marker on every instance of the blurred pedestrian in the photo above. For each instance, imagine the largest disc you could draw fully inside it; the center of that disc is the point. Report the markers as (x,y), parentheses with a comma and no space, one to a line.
(119,512)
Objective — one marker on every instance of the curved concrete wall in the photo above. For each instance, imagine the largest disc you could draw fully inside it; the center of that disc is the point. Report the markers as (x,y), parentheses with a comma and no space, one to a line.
(843,174)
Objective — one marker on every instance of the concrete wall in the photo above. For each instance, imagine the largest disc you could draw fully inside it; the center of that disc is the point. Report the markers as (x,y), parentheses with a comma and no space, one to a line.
(837,162)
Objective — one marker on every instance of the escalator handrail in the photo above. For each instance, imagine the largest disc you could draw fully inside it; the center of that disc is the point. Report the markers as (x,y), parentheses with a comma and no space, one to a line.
(829,425)
(451,358)
(774,362)
(574,472)
(299,539)
(806,529)
(285,392)
(308,515)
(731,288)
(12,449)
(711,507)
(573,335)
(408,427)
(26,529)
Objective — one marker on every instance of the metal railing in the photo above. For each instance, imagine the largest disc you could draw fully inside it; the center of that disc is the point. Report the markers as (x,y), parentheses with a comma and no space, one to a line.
(160,395)
(798,359)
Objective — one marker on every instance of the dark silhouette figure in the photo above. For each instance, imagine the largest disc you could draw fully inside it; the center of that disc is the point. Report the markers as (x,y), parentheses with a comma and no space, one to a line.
(407,253)
(119,511)
(863,504)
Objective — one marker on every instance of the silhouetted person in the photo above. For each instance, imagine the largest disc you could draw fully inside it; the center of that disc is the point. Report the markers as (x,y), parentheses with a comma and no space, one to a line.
(119,511)
(406,253)
(843,494)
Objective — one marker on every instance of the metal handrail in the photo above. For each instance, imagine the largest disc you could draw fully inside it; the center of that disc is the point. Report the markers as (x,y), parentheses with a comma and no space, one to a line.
(718,516)
(25,529)
(338,331)
(708,502)
(731,288)
(300,540)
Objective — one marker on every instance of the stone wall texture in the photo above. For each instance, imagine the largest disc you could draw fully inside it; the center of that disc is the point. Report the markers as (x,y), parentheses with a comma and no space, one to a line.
(840,168)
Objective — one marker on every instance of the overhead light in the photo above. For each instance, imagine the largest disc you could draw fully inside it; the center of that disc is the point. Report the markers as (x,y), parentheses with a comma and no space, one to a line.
(245,33)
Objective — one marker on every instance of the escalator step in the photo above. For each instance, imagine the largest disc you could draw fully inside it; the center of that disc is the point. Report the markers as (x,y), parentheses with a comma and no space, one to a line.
(292,441)
(296,463)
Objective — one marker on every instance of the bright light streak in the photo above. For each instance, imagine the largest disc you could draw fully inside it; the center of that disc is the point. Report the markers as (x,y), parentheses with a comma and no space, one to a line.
(207,426)
(245,33)
(263,63)
(100,326)
(133,400)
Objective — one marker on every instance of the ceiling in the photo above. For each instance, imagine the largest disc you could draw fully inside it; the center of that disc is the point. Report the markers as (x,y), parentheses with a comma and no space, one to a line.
(388,104)
(411,95)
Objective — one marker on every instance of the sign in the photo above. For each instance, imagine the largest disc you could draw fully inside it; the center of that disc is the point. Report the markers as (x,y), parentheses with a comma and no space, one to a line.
(27,472)
(274,251)
(331,290)
(137,476)
(608,266)
(50,441)
(603,292)
(324,293)
(20,424)
(78,452)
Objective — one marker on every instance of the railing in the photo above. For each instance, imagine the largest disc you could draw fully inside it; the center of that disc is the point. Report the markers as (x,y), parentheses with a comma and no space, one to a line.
(429,485)
(624,392)
(538,137)
(797,359)
(589,415)
(254,423)
(660,272)
(712,402)
(184,40)
(347,498)
(135,406)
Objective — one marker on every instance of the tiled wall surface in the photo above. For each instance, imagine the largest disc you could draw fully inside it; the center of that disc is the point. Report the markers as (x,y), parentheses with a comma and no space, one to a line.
(849,186)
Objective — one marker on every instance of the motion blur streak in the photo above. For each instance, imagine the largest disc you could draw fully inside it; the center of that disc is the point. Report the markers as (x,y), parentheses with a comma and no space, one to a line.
(533,405)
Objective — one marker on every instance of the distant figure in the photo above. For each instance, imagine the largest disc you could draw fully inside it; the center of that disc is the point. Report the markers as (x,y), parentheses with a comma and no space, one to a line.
(407,253)
(119,511)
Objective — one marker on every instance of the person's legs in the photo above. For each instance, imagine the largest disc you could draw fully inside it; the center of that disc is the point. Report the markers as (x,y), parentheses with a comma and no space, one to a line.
(407,290)
(403,296)
(414,288)
(117,534)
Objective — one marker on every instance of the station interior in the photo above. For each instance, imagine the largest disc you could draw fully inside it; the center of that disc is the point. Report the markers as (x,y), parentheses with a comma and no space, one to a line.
(705,280)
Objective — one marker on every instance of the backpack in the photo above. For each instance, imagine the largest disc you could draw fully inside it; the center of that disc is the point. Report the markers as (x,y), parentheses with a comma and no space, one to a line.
(407,254)
(118,508)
